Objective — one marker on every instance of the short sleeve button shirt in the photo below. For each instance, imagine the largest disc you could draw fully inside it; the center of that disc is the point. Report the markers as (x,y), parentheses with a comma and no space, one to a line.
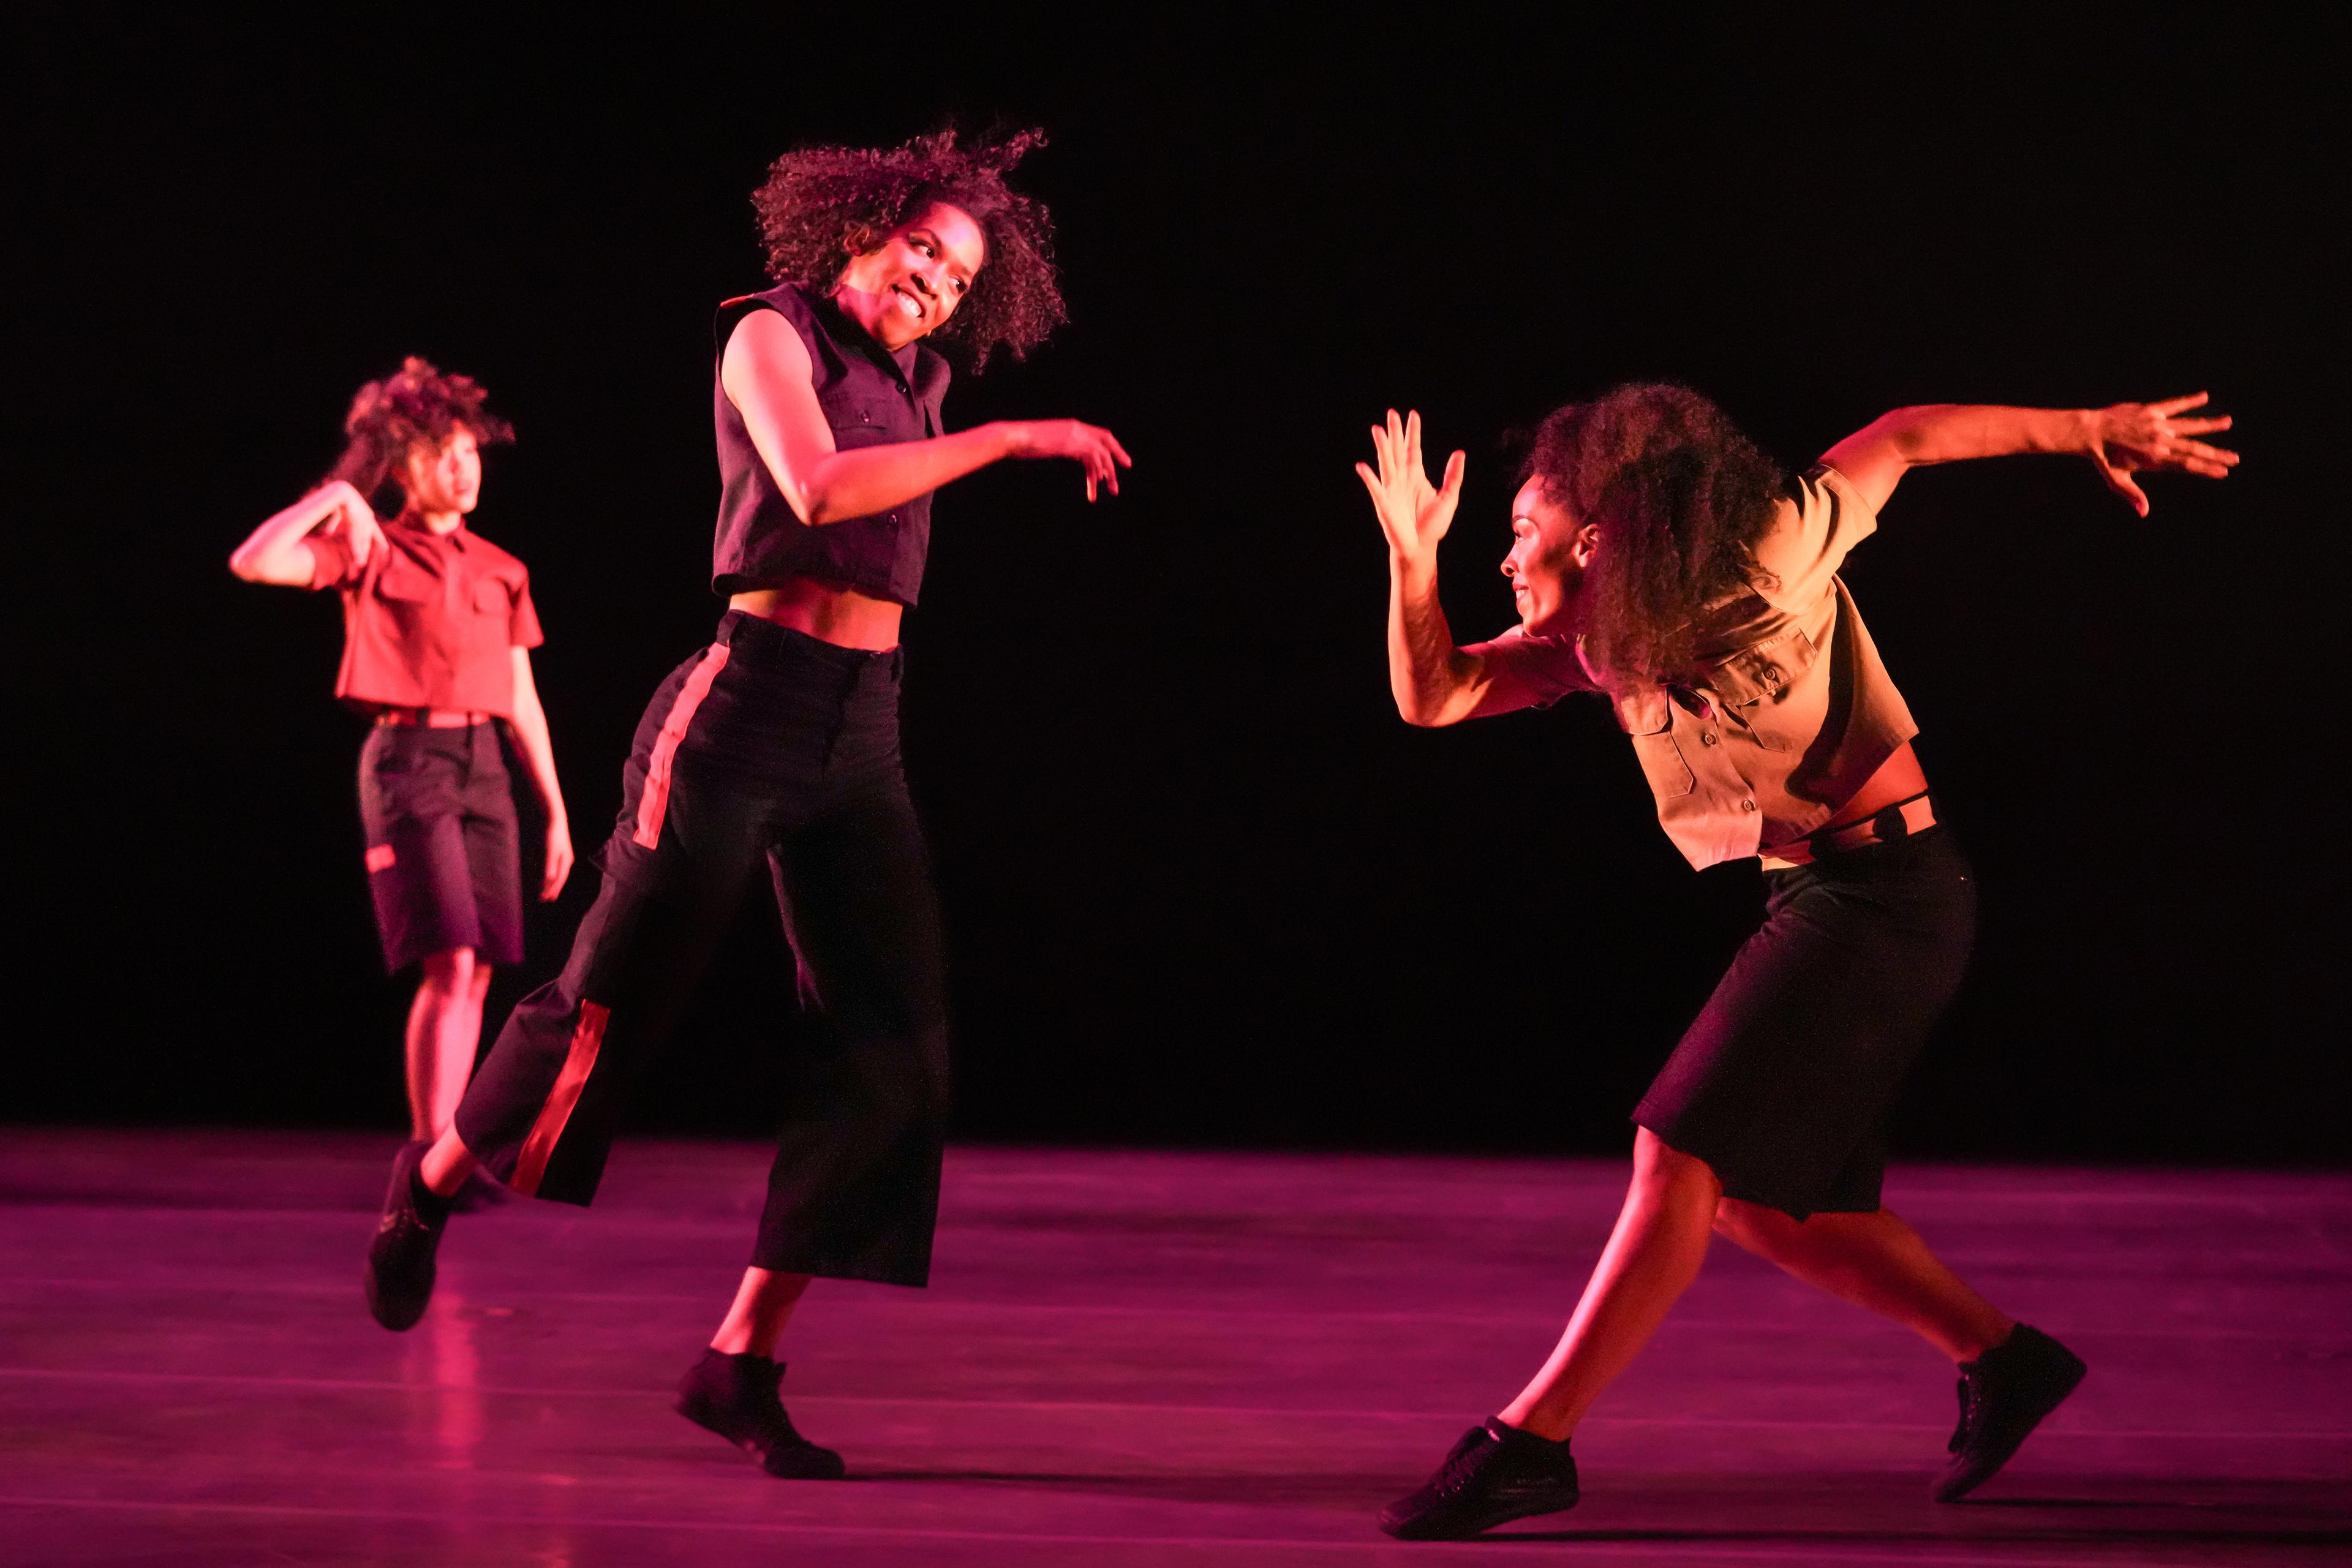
(428,618)
(1787,713)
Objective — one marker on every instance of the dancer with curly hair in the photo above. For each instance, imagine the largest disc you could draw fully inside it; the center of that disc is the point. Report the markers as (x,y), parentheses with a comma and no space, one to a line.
(1660,561)
(438,629)
(778,743)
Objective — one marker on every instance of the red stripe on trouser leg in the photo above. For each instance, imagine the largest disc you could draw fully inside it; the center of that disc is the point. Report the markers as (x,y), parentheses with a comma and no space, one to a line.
(586,1042)
(656,800)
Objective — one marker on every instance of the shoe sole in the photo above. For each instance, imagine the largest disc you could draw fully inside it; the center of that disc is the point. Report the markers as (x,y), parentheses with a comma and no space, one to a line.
(1405,1530)
(831,1468)
(1952,1488)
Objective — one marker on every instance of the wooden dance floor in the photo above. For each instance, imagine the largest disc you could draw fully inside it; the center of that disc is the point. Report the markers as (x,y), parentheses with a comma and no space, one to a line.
(1124,1358)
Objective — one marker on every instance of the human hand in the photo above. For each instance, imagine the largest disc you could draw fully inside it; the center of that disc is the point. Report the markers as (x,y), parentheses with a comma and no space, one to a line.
(1412,513)
(558,861)
(357,518)
(2149,438)
(1090,445)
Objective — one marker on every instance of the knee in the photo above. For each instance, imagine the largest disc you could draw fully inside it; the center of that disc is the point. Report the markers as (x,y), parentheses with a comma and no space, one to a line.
(1767,1232)
(1665,1172)
(451,974)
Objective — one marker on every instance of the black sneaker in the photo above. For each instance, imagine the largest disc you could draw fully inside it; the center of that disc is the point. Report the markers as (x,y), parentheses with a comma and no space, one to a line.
(1496,1473)
(735,1396)
(399,1279)
(2004,1394)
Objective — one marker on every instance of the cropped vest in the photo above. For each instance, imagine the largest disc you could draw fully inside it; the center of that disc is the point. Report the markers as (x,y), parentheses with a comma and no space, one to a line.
(871,397)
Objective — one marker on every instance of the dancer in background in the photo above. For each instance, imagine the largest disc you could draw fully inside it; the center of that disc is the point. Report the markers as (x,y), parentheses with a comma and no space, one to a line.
(1661,561)
(437,632)
(775,750)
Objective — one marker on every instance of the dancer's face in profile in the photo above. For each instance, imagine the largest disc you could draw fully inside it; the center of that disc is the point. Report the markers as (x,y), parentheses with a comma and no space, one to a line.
(906,287)
(446,477)
(1549,550)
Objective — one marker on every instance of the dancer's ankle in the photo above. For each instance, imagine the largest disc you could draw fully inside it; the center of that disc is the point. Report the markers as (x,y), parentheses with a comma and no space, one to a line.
(445,1167)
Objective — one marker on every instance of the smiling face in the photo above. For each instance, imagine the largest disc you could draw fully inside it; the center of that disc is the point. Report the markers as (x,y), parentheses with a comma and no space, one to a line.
(1549,550)
(444,480)
(906,287)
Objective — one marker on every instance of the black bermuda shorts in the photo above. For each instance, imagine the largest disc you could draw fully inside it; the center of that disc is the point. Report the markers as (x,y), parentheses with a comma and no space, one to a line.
(1785,1082)
(443,857)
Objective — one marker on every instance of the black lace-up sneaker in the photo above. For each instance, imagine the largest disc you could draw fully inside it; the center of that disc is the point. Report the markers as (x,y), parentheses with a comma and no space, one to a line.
(1495,1474)
(2004,1394)
(399,1279)
(735,1396)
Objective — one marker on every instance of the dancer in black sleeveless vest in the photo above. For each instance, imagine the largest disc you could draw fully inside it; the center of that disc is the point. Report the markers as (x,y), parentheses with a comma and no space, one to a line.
(780,743)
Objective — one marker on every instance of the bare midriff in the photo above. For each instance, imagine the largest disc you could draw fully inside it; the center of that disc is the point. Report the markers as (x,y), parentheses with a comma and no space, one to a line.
(1898,778)
(829,612)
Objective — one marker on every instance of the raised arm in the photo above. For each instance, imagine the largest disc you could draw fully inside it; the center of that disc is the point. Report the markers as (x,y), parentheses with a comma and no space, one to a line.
(766,372)
(531,734)
(274,553)
(2121,440)
(1434,681)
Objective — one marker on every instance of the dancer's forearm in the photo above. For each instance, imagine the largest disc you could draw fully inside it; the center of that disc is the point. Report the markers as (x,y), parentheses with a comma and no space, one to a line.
(274,553)
(1433,681)
(530,735)
(869,479)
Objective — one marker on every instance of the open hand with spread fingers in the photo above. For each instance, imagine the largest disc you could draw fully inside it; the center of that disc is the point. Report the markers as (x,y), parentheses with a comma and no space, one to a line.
(2148,438)
(1414,513)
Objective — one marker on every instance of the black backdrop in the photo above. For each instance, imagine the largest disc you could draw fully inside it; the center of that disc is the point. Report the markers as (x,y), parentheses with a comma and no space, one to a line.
(1202,887)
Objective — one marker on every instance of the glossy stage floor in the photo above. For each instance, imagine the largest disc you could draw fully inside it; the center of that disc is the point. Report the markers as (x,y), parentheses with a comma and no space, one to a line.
(1124,1358)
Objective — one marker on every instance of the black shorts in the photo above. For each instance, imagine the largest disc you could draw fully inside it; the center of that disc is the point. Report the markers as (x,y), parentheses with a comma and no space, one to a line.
(442,853)
(1785,1082)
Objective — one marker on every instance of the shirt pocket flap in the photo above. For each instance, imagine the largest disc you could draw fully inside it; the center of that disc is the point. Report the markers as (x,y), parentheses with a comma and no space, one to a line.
(1645,711)
(404,580)
(1764,669)
(492,598)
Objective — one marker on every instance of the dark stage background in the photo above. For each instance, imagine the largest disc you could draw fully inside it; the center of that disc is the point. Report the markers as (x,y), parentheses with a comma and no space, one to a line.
(1203,886)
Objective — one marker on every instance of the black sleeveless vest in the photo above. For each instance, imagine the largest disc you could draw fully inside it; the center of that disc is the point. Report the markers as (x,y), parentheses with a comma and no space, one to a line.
(871,397)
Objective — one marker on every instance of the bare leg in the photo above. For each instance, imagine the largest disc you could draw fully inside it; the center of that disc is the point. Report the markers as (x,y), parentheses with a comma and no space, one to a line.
(764,1303)
(1652,1256)
(444,1026)
(448,1164)
(1873,1260)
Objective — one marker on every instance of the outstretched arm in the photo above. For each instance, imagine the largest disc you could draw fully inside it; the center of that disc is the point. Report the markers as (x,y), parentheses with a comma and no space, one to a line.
(1435,682)
(766,372)
(2126,438)
(274,553)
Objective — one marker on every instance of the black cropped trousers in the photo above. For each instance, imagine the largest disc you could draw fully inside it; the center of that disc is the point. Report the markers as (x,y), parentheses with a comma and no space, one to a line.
(767,747)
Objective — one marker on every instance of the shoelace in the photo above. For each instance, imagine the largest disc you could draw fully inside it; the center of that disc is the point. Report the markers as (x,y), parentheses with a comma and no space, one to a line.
(1465,1461)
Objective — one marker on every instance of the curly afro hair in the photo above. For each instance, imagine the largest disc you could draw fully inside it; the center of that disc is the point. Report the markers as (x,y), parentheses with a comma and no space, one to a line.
(1680,497)
(822,204)
(417,405)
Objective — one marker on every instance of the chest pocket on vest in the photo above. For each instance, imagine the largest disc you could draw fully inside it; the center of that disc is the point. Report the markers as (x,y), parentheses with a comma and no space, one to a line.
(1763,691)
(862,420)
(1649,718)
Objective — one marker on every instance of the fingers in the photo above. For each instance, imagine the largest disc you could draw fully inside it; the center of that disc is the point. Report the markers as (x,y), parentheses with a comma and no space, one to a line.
(2121,483)
(2172,405)
(1412,442)
(1452,485)
(2202,426)
(2200,451)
